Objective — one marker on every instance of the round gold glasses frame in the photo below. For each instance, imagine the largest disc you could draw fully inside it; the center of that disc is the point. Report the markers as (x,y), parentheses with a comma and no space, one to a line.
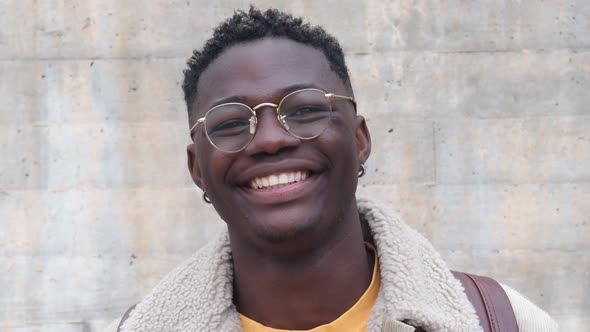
(280,117)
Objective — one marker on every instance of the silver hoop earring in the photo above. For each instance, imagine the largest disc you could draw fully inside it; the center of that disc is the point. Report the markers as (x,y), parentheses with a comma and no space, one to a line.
(362,171)
(206,198)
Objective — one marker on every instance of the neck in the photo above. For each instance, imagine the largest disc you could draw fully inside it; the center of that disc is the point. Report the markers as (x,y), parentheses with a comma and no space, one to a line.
(309,290)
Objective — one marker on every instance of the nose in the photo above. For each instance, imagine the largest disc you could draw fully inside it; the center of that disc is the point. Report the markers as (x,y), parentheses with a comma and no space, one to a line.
(270,137)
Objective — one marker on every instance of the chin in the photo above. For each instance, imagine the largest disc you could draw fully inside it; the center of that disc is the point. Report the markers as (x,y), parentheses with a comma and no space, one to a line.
(287,231)
(288,228)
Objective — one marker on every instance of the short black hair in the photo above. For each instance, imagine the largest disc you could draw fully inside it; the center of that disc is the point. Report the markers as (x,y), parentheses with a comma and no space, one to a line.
(252,25)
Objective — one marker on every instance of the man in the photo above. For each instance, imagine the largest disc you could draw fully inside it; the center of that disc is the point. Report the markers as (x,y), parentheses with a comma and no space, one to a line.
(277,149)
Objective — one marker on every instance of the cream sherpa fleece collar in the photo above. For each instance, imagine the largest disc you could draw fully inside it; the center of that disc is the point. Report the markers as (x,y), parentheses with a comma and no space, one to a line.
(417,287)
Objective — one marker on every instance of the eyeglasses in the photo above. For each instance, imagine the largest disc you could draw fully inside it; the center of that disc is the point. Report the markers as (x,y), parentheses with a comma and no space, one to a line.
(304,113)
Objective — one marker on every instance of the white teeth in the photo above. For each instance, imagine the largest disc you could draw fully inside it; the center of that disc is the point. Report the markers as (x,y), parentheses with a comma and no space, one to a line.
(278,180)
(265,182)
(283,178)
(273,180)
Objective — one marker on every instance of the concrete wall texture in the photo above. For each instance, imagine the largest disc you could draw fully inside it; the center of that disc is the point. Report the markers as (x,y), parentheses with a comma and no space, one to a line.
(479,112)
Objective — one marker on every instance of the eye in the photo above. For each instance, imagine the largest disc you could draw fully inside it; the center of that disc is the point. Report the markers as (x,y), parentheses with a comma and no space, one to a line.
(231,124)
(230,127)
(307,112)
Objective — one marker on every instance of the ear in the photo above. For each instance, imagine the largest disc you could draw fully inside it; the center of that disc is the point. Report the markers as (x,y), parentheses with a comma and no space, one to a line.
(363,139)
(193,164)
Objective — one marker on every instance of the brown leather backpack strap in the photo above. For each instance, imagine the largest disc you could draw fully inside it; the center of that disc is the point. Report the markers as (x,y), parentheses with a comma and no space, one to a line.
(125,316)
(490,302)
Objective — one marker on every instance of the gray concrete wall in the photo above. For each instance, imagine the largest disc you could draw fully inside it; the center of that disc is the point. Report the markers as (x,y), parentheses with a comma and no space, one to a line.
(479,112)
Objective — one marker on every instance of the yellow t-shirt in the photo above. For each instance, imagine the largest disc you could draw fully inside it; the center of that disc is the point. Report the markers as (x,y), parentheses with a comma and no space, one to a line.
(355,319)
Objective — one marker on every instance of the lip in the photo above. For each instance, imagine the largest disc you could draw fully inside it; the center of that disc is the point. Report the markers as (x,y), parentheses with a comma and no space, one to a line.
(285,193)
(284,166)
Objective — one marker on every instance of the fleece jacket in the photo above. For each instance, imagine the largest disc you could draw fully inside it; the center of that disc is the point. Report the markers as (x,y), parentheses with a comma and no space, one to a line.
(417,289)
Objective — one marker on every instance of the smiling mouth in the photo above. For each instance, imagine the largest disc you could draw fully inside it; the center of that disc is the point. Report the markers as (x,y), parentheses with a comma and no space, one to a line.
(278,180)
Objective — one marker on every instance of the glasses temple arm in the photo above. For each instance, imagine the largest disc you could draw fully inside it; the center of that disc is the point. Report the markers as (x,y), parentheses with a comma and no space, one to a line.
(331,95)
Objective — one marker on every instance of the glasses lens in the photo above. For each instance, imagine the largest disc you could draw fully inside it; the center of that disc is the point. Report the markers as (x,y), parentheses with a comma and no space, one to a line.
(229,126)
(306,113)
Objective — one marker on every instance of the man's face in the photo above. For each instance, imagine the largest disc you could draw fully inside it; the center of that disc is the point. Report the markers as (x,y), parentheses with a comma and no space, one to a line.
(262,71)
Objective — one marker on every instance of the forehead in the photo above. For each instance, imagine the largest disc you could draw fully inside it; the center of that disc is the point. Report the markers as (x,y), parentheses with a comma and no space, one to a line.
(262,70)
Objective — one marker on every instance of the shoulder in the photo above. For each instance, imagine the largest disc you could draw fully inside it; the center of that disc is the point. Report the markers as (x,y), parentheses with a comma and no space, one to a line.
(529,317)
(199,287)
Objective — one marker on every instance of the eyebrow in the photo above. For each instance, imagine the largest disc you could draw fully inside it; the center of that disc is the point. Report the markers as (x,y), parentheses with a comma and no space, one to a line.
(282,92)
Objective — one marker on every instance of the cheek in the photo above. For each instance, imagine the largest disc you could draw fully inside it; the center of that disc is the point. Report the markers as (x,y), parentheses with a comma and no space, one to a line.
(214,165)
(341,138)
